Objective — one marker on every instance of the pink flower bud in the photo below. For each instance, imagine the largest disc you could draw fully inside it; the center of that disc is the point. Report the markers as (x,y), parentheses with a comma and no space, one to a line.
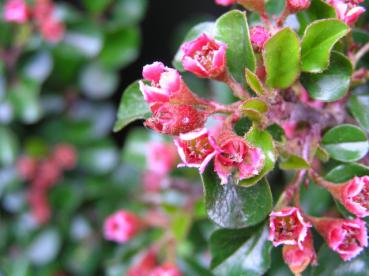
(225,2)
(349,13)
(259,36)
(297,5)
(288,227)
(166,85)
(26,167)
(346,237)
(234,154)
(205,57)
(166,270)
(40,207)
(122,226)
(52,30)
(152,181)
(145,265)
(161,158)
(195,149)
(354,195)
(42,10)
(175,119)
(353,15)
(65,156)
(48,173)
(15,11)
(298,259)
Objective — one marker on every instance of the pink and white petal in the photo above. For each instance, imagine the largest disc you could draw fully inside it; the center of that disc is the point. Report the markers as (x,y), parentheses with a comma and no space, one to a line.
(191,65)
(222,171)
(152,72)
(206,162)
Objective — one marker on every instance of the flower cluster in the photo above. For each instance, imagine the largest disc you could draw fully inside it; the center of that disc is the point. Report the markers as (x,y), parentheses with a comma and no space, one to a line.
(42,14)
(43,174)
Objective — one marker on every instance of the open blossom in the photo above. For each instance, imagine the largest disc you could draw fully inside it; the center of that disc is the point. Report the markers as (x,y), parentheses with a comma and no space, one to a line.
(175,119)
(297,5)
(15,11)
(161,158)
(288,227)
(225,2)
(298,259)
(121,226)
(195,149)
(235,154)
(166,270)
(165,84)
(259,36)
(347,12)
(354,195)
(346,237)
(205,57)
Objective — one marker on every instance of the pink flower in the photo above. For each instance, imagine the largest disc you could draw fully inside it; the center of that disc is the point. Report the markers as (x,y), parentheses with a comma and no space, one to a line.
(225,2)
(349,13)
(298,259)
(48,173)
(26,167)
(161,158)
(166,270)
(346,237)
(40,207)
(144,266)
(290,129)
(52,30)
(15,11)
(42,10)
(175,119)
(195,149)
(305,98)
(297,5)
(65,156)
(259,36)
(152,181)
(234,154)
(165,85)
(288,227)
(121,226)
(354,195)
(205,57)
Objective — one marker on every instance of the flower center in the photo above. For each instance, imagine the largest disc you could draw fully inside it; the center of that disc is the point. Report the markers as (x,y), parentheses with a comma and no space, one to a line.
(199,148)
(350,240)
(285,228)
(205,55)
(363,197)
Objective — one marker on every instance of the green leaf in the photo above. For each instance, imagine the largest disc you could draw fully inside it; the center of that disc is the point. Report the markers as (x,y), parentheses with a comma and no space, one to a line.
(197,30)
(345,172)
(180,224)
(8,146)
(132,107)
(293,162)
(243,252)
(96,7)
(121,47)
(232,29)
(254,108)
(254,82)
(128,12)
(359,107)
(346,143)
(331,264)
(318,10)
(232,206)
(281,59)
(333,83)
(263,140)
(317,43)
(38,66)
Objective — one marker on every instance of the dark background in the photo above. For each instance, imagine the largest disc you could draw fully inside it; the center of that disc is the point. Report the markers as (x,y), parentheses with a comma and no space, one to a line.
(159,29)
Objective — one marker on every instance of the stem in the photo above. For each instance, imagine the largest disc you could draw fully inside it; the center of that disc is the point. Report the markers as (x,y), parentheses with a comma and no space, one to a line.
(331,187)
(361,53)
(236,87)
(220,108)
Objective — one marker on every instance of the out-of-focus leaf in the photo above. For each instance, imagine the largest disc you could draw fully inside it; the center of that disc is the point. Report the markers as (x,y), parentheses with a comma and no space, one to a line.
(128,12)
(293,162)
(333,83)
(346,143)
(38,66)
(96,7)
(8,146)
(132,107)
(317,43)
(359,107)
(97,82)
(232,29)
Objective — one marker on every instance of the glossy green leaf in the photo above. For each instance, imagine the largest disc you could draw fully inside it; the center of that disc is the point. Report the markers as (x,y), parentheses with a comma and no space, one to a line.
(232,29)
(194,32)
(8,146)
(293,162)
(346,143)
(254,108)
(359,107)
(121,47)
(318,9)
(243,252)
(345,172)
(254,83)
(132,107)
(281,59)
(315,200)
(331,264)
(331,84)
(317,43)
(263,140)
(96,6)
(232,206)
